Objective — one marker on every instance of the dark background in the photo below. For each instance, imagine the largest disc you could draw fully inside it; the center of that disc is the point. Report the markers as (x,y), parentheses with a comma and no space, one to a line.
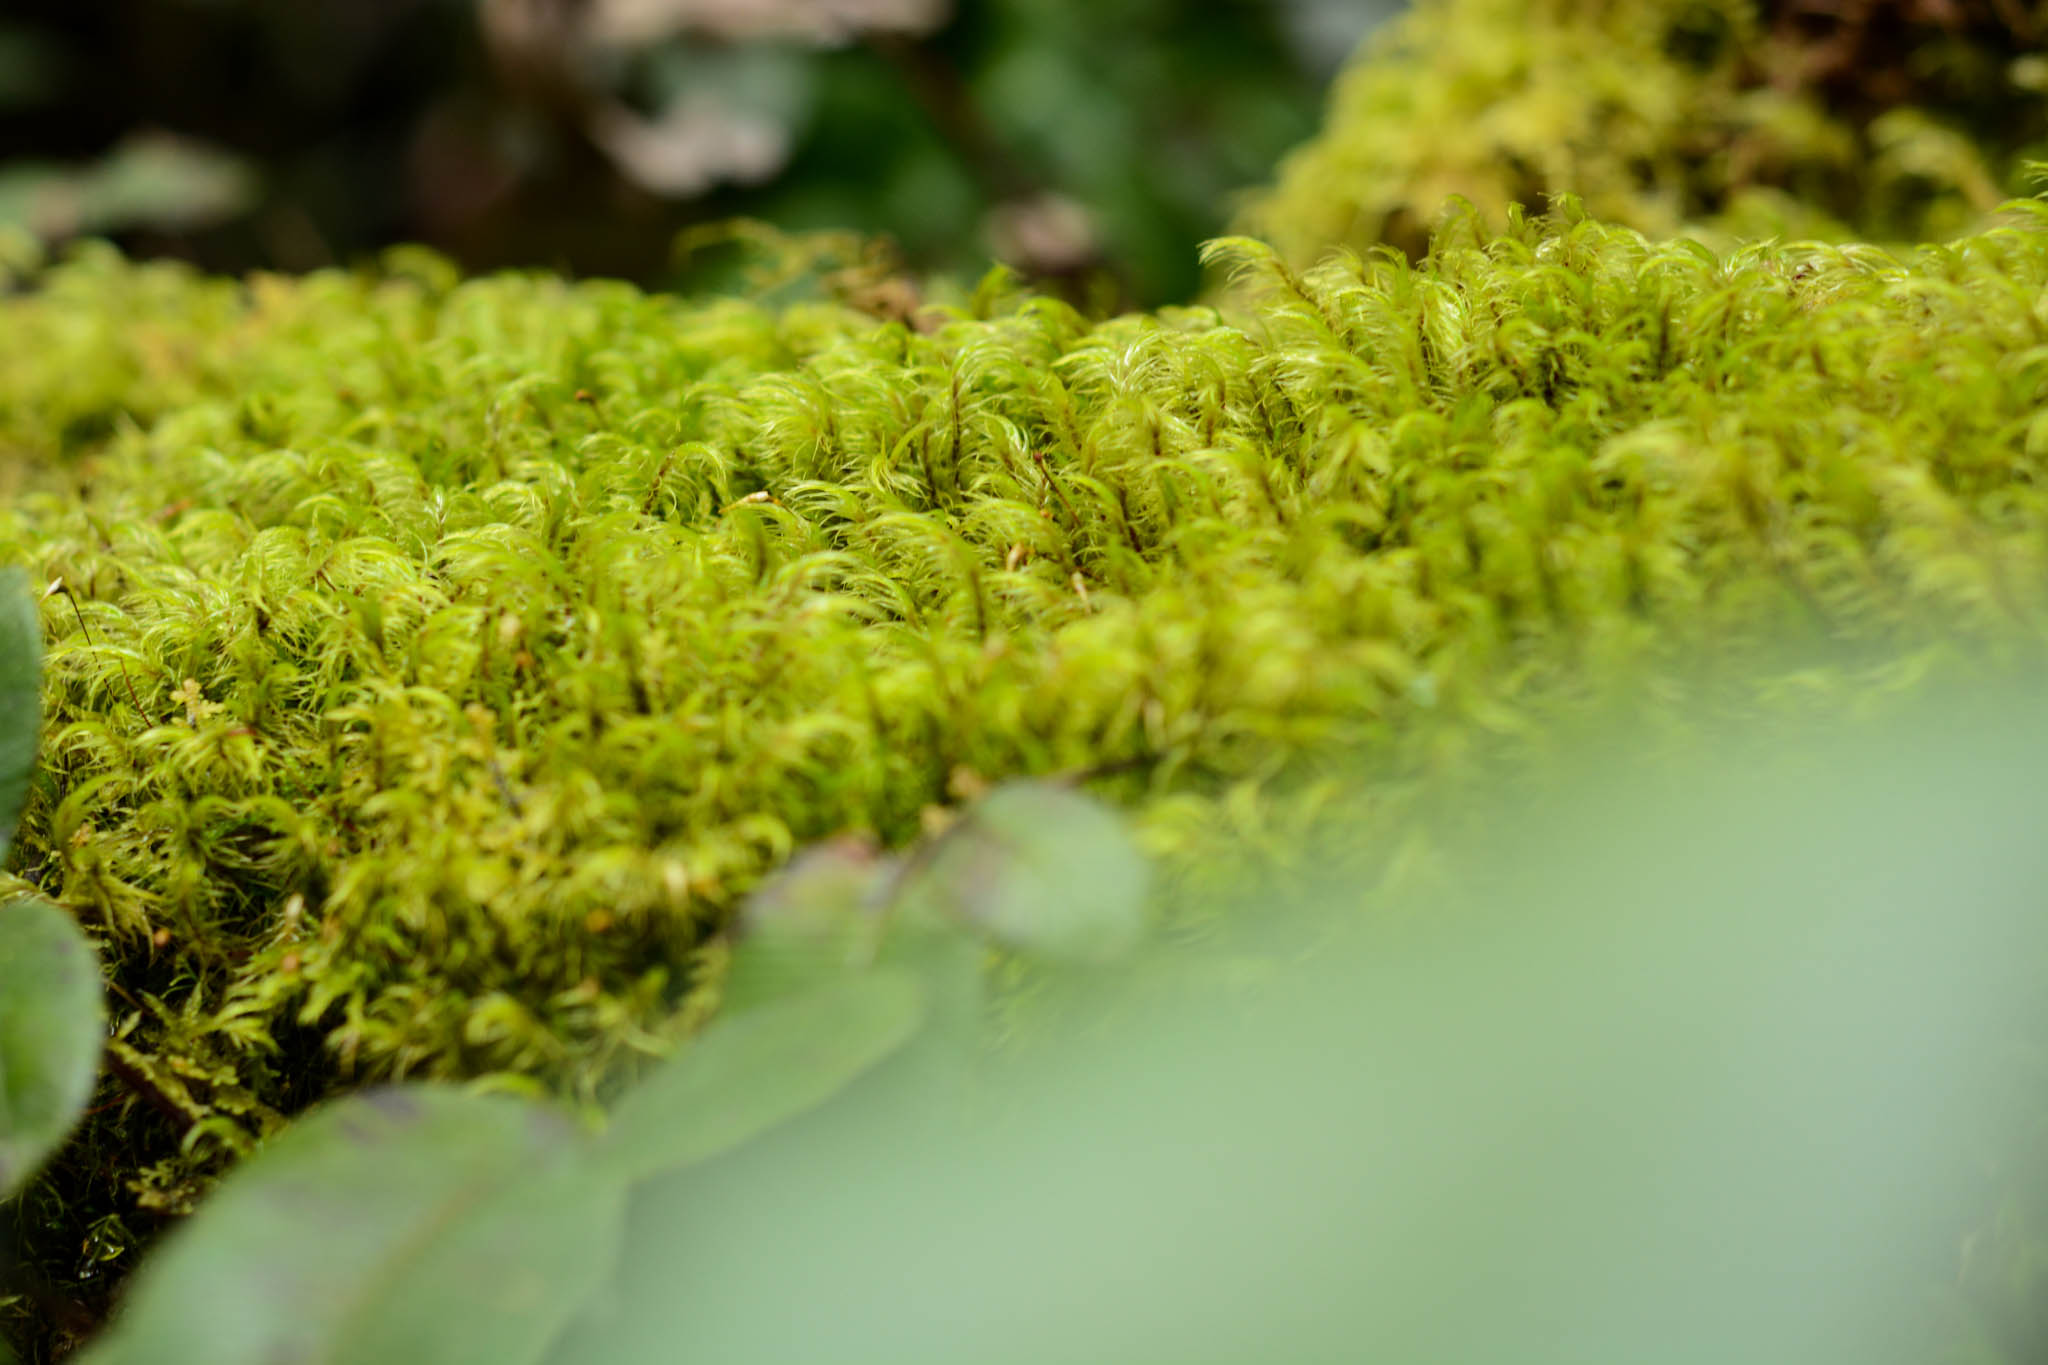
(1092,140)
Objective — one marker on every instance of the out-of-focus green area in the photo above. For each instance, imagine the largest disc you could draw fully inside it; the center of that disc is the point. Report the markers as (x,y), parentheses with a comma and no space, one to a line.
(1093,142)
(1728,1055)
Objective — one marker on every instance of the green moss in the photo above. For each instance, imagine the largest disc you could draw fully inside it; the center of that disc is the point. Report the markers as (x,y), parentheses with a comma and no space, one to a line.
(440,661)
(1731,120)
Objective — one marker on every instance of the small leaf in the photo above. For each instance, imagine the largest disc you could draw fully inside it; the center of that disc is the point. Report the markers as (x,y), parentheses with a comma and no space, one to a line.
(51,1023)
(819,889)
(419,1223)
(20,707)
(817,919)
(1041,868)
(748,1073)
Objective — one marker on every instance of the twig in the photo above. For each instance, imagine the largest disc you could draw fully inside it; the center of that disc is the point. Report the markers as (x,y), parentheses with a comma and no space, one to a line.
(128,1067)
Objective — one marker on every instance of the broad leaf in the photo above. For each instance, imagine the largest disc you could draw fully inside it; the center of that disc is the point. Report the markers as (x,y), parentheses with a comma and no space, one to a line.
(50,1030)
(417,1224)
(752,1071)
(20,708)
(1042,868)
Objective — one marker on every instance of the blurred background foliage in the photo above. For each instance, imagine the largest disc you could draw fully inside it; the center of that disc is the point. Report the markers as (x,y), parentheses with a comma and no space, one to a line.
(1892,121)
(1093,142)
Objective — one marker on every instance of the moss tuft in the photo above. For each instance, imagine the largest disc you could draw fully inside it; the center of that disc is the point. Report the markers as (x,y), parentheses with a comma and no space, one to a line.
(439,662)
(1731,120)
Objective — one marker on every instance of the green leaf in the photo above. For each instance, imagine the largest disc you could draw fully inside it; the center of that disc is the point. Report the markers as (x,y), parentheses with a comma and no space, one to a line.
(1043,868)
(420,1223)
(20,707)
(819,918)
(51,1023)
(748,1073)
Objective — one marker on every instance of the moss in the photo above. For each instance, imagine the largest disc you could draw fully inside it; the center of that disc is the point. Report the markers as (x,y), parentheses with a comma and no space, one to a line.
(1894,121)
(438,662)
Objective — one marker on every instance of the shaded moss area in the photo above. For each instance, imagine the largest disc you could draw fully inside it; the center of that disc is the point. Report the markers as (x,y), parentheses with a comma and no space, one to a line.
(1884,120)
(436,663)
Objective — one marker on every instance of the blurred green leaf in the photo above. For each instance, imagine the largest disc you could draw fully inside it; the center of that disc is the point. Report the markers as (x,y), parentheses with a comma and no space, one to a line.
(1751,1027)
(818,918)
(50,1011)
(415,1224)
(20,705)
(749,1073)
(51,1023)
(1039,867)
